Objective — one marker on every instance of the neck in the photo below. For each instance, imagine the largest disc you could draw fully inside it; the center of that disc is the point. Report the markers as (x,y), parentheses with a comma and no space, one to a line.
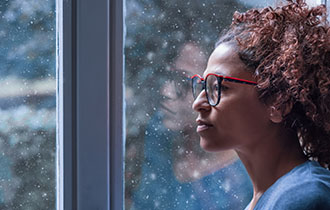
(270,159)
(191,162)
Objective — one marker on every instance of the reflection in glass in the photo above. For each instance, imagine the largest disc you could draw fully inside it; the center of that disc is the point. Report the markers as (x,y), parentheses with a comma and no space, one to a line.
(27,104)
(167,42)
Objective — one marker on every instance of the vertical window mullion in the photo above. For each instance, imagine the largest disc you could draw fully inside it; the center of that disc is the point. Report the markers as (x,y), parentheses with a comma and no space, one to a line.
(91,115)
(66,166)
(116,104)
(92,105)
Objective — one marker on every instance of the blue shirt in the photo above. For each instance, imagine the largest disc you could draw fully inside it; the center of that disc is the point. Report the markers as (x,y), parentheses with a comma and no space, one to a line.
(228,188)
(306,187)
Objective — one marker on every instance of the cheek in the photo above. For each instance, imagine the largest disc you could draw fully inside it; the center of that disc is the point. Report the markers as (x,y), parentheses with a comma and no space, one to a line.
(240,119)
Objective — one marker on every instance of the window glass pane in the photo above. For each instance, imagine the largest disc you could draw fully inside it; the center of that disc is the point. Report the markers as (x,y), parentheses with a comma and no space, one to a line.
(165,168)
(327,3)
(313,2)
(27,104)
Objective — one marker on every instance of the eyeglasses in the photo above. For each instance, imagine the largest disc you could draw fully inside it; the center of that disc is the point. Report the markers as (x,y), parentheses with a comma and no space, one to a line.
(212,86)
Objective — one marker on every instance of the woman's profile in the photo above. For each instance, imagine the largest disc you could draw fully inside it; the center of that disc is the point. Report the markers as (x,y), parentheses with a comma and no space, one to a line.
(265,94)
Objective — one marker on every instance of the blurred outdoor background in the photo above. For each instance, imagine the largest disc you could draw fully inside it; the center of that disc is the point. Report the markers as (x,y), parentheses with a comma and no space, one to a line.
(27,104)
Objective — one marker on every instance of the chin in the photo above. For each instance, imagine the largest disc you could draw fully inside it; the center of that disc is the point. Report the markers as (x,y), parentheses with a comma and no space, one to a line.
(207,145)
(211,146)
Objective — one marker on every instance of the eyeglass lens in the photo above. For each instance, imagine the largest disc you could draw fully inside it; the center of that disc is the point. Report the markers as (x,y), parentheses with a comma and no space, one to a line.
(212,88)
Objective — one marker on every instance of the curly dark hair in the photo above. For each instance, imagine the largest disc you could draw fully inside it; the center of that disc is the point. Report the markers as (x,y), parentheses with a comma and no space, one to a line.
(288,50)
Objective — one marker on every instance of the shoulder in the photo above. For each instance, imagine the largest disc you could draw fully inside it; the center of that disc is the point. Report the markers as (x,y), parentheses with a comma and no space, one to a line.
(307,195)
(306,187)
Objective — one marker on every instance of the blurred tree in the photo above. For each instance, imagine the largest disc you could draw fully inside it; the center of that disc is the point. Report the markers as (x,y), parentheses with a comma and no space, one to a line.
(27,148)
(27,38)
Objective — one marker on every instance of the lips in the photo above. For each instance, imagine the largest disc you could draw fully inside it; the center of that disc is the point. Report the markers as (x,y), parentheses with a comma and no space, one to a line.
(202,125)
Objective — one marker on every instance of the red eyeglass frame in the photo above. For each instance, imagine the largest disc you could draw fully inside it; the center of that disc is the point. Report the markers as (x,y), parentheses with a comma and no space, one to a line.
(219,77)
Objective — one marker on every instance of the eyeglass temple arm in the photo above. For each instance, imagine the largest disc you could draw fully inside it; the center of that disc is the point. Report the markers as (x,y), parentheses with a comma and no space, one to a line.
(233,79)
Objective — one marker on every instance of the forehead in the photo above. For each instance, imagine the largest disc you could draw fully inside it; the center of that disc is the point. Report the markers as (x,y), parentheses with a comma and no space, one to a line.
(224,60)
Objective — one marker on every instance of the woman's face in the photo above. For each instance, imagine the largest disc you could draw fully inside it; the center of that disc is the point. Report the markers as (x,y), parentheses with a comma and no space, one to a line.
(240,119)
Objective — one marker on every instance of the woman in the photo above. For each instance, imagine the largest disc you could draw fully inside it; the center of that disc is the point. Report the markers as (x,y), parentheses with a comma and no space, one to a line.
(186,177)
(265,94)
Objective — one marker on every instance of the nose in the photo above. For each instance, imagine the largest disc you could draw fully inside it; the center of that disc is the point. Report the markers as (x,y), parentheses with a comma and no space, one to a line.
(201,104)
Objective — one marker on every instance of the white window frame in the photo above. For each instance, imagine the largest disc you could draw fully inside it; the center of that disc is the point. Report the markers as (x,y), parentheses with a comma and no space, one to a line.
(90,104)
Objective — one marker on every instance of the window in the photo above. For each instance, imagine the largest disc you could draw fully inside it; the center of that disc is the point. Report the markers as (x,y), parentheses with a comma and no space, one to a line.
(28,105)
(90,35)
(166,43)
(91,136)
(85,84)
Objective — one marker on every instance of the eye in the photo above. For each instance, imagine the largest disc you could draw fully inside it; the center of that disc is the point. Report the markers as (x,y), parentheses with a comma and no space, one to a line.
(224,88)
(215,86)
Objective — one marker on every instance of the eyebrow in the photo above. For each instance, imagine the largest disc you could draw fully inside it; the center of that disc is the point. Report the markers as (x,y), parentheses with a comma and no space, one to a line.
(216,73)
(225,76)
(212,73)
(221,74)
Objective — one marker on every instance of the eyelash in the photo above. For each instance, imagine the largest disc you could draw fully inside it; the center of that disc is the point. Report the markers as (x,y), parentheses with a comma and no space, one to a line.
(224,88)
